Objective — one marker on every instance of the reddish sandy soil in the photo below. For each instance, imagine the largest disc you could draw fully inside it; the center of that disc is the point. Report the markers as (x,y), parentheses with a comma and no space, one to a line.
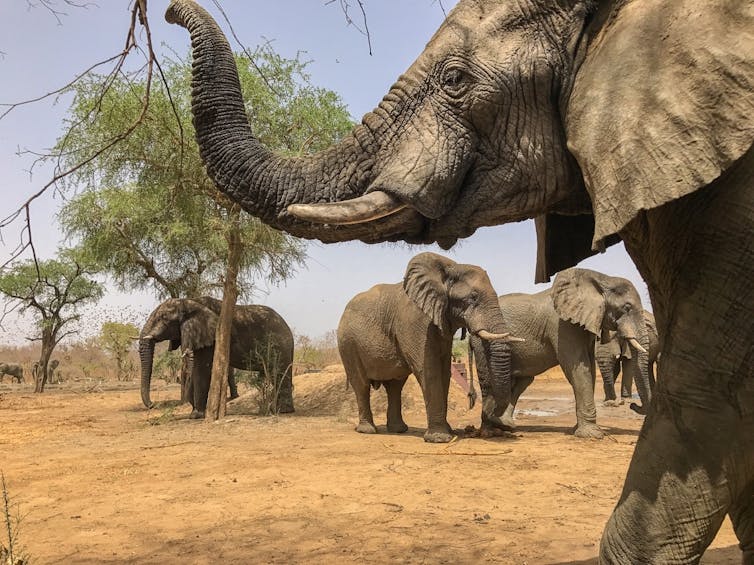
(99,479)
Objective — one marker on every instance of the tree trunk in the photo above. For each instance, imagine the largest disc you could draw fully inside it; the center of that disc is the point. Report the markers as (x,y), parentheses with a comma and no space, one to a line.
(44,359)
(218,388)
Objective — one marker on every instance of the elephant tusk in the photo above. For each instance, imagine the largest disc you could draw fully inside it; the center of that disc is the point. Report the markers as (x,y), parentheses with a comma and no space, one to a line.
(146,338)
(636,345)
(366,208)
(484,334)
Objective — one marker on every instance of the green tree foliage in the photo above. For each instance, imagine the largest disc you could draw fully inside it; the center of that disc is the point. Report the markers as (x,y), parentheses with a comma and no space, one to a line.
(118,340)
(146,212)
(52,291)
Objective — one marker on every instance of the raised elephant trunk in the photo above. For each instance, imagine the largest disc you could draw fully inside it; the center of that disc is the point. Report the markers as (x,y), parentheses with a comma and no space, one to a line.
(146,355)
(264,183)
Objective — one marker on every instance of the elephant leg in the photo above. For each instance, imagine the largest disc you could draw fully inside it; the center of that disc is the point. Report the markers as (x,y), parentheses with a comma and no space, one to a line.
(200,380)
(608,372)
(232,384)
(578,365)
(741,480)
(285,392)
(435,382)
(366,420)
(506,421)
(626,381)
(395,423)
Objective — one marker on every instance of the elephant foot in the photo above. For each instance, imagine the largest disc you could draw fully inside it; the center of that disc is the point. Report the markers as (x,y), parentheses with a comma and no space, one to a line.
(366,428)
(588,431)
(613,403)
(397,428)
(287,409)
(504,423)
(432,436)
(196,415)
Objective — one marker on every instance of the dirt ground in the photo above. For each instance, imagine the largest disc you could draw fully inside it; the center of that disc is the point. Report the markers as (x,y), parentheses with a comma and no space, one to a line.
(99,479)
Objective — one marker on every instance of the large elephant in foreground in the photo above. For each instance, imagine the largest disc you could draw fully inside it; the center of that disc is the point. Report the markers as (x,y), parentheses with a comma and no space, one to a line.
(560,326)
(259,336)
(615,355)
(393,330)
(604,120)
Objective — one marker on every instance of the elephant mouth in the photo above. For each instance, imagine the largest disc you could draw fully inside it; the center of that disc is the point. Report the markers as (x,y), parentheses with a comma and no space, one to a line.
(383,210)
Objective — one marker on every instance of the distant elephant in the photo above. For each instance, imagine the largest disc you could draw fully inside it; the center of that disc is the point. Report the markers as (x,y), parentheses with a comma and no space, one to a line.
(614,356)
(393,330)
(15,371)
(191,323)
(52,365)
(605,121)
(559,326)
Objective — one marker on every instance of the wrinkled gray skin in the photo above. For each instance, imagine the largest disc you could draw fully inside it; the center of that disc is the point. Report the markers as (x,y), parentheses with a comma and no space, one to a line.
(191,324)
(616,356)
(393,330)
(15,371)
(623,119)
(560,326)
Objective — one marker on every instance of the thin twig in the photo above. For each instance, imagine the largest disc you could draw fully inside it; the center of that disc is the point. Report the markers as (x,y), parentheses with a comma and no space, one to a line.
(443,452)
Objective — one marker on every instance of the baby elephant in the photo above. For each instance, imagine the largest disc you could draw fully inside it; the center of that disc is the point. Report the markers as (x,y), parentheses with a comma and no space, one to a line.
(15,371)
(393,330)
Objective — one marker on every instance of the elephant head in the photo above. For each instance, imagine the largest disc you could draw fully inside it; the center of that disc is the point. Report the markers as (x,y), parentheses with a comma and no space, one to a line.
(607,307)
(483,127)
(186,323)
(455,295)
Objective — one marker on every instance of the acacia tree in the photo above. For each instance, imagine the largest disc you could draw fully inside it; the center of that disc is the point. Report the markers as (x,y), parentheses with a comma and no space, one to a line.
(52,291)
(148,214)
(118,340)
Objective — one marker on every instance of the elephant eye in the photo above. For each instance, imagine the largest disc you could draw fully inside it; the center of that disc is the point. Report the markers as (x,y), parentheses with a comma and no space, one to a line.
(455,81)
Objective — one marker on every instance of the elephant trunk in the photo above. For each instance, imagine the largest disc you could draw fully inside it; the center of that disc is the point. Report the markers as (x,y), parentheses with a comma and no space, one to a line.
(637,338)
(500,372)
(264,183)
(146,355)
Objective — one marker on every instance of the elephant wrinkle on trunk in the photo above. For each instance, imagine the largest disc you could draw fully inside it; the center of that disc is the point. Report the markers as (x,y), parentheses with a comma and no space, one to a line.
(615,120)
(146,357)
(260,341)
(393,330)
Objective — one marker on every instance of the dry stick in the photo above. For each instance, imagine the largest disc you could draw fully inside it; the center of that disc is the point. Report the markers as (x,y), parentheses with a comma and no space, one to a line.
(466,453)
(136,12)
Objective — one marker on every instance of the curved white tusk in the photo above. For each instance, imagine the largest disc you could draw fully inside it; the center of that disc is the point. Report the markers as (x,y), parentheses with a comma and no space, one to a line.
(484,334)
(636,345)
(367,208)
(146,337)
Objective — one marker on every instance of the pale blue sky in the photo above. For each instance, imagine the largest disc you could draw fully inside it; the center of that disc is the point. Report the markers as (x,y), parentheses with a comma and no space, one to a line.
(40,55)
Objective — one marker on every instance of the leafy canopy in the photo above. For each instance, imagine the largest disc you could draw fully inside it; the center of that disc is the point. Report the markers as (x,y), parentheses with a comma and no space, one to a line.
(52,294)
(147,213)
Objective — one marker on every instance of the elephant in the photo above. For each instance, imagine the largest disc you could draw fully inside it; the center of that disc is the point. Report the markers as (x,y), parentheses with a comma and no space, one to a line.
(190,323)
(614,356)
(559,326)
(52,365)
(393,330)
(603,121)
(15,371)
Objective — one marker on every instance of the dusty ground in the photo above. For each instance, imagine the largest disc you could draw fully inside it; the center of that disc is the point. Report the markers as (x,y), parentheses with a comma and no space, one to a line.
(99,479)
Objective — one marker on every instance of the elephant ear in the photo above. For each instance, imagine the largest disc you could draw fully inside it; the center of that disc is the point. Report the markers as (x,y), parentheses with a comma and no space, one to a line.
(662,103)
(198,326)
(425,283)
(579,298)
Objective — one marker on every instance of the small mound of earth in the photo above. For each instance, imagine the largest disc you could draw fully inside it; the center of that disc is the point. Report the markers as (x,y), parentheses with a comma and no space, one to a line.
(325,393)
